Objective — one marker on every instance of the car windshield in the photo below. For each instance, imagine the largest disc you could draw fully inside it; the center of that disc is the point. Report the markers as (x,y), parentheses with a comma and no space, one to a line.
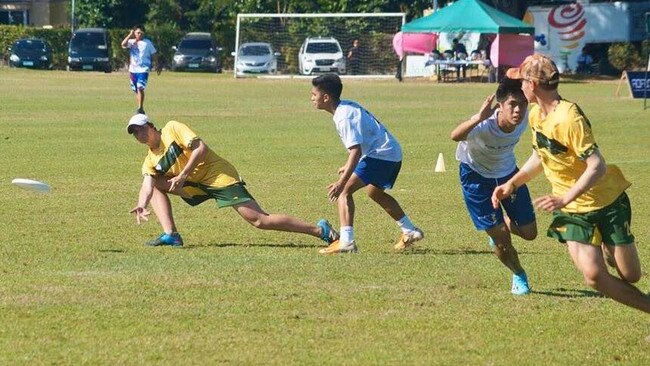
(29,45)
(195,44)
(255,51)
(88,41)
(323,47)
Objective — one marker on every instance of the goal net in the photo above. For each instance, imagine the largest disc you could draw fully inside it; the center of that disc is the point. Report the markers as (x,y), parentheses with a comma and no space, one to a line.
(308,44)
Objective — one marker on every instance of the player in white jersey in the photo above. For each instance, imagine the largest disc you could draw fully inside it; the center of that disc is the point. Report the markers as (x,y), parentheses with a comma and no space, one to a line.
(485,150)
(374,161)
(142,55)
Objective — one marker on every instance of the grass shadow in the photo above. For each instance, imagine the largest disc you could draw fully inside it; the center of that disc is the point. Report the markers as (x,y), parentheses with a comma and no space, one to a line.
(259,245)
(419,250)
(112,251)
(569,293)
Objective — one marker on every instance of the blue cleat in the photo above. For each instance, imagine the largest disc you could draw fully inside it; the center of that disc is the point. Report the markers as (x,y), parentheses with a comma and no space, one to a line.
(520,284)
(173,240)
(328,234)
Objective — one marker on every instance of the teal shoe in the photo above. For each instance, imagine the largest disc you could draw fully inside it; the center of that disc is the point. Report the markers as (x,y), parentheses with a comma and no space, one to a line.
(328,234)
(173,240)
(520,284)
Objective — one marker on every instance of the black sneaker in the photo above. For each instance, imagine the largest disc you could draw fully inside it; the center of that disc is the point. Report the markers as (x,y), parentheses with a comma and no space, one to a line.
(140,111)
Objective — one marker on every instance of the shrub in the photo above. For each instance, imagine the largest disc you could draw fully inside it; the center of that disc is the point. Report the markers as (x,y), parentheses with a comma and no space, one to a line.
(624,56)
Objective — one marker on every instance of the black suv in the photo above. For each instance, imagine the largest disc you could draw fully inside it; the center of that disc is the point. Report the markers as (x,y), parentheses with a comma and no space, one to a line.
(197,51)
(89,49)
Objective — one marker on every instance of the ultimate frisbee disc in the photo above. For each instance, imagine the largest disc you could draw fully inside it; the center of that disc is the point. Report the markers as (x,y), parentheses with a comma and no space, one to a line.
(32,185)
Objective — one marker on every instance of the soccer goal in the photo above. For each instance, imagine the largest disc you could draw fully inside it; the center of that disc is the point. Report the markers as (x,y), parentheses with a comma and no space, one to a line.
(307,44)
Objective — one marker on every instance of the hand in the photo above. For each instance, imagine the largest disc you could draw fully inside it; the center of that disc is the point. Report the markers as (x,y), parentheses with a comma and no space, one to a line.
(486,109)
(549,203)
(141,214)
(131,33)
(334,190)
(176,182)
(502,192)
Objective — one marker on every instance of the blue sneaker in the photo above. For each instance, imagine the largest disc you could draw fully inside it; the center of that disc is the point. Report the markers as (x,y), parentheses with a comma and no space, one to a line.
(173,239)
(328,234)
(520,284)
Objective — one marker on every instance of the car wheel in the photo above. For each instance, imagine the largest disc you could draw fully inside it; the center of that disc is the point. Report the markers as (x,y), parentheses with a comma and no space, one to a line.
(108,70)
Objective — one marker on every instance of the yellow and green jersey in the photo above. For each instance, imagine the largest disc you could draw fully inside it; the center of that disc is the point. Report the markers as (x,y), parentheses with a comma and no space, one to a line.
(563,140)
(174,152)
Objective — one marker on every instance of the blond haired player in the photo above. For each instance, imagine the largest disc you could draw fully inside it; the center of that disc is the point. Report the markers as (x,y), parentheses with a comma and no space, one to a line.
(591,211)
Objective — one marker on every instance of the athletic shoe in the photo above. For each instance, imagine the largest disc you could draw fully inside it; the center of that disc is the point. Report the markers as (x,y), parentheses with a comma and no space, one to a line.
(140,111)
(328,235)
(491,243)
(173,239)
(407,240)
(520,284)
(340,247)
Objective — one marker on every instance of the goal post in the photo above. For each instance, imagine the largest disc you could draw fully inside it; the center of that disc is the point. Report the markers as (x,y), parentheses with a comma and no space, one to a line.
(308,44)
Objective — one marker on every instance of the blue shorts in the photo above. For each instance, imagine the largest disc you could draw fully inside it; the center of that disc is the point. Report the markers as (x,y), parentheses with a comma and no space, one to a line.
(379,173)
(477,191)
(139,80)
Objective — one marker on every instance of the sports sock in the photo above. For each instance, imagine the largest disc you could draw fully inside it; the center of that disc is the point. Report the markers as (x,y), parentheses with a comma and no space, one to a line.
(405,224)
(347,234)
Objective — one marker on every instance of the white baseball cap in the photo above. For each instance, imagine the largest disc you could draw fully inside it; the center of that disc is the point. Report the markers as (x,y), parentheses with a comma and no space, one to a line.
(137,120)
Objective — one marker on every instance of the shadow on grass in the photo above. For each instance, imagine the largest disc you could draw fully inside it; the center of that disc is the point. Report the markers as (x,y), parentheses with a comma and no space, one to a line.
(112,251)
(569,293)
(419,250)
(257,245)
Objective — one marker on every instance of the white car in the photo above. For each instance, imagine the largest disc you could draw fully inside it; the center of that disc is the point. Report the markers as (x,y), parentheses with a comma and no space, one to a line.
(321,54)
(256,58)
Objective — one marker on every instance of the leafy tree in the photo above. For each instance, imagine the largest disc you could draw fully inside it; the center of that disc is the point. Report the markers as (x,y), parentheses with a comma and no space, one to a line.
(110,13)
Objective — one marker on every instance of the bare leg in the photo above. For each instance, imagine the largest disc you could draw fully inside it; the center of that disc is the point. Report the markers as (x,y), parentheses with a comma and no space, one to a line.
(254,215)
(346,202)
(526,232)
(139,97)
(386,201)
(162,207)
(504,249)
(626,261)
(589,260)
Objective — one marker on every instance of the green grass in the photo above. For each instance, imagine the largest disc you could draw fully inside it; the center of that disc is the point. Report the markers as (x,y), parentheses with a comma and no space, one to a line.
(78,287)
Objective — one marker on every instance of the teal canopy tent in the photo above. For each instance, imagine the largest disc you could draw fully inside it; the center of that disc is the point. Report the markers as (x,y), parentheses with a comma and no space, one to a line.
(468,16)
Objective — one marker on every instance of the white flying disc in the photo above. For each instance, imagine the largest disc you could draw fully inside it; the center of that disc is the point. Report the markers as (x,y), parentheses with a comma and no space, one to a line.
(32,185)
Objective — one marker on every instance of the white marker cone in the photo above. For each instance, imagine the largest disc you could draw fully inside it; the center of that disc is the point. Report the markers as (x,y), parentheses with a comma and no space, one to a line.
(440,164)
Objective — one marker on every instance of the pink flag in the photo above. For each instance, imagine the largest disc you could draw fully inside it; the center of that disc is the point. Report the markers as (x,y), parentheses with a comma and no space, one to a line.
(414,42)
(511,49)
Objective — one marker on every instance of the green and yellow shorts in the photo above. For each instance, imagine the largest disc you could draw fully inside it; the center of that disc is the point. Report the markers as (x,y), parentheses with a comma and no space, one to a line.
(609,225)
(226,196)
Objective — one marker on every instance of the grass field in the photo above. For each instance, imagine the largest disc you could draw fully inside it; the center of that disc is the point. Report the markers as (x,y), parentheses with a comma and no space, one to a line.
(78,287)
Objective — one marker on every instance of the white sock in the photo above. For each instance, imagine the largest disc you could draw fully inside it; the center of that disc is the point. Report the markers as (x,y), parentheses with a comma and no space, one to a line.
(405,224)
(347,234)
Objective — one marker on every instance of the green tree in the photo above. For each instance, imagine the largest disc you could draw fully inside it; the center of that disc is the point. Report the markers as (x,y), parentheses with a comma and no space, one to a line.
(110,13)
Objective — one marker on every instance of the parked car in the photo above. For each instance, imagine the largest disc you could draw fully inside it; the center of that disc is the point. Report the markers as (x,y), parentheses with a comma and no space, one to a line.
(197,51)
(89,49)
(256,58)
(321,54)
(30,52)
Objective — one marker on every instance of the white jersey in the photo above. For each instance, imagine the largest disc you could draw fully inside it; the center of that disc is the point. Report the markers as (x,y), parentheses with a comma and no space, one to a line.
(488,150)
(141,53)
(357,126)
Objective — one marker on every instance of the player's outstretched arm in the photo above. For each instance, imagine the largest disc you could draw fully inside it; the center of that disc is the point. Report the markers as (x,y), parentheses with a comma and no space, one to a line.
(462,130)
(146,191)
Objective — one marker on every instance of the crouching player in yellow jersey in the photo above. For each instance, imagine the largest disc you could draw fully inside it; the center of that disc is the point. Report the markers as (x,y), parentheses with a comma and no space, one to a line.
(179,162)
(591,211)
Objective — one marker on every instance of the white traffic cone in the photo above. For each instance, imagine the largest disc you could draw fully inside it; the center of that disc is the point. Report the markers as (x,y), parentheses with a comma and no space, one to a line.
(440,164)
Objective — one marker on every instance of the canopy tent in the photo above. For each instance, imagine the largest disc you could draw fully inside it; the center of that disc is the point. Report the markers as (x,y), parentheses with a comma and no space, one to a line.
(468,16)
